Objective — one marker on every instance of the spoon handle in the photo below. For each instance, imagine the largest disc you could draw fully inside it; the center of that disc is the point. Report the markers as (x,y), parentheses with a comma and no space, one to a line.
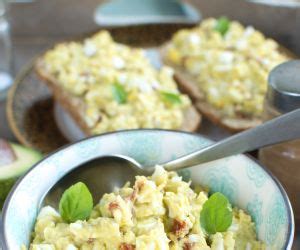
(280,129)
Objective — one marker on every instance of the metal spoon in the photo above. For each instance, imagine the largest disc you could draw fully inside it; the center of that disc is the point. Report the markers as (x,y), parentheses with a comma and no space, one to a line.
(102,175)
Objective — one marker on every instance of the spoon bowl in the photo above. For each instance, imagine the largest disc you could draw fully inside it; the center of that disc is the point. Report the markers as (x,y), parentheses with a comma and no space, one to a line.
(102,175)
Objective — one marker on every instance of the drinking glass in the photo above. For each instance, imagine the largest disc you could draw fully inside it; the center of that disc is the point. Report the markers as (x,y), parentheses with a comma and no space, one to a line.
(5,51)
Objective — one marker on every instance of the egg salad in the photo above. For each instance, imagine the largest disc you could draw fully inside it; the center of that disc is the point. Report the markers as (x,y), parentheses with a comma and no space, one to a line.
(159,212)
(119,86)
(230,64)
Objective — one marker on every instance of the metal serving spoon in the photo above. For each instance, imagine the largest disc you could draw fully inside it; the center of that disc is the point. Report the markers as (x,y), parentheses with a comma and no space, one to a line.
(102,175)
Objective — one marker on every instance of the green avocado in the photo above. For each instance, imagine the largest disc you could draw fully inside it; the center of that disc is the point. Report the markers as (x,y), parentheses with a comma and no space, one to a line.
(12,168)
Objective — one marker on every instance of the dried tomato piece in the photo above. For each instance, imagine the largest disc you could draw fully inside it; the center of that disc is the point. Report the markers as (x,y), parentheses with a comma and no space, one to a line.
(91,240)
(113,205)
(126,246)
(188,246)
(178,227)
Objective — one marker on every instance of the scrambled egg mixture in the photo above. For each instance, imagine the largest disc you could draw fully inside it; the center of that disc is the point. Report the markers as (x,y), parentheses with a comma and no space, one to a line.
(231,69)
(119,86)
(158,212)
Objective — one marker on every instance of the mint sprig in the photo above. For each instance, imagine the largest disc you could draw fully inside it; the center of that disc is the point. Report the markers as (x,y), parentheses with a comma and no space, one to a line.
(170,97)
(222,26)
(119,93)
(76,203)
(216,214)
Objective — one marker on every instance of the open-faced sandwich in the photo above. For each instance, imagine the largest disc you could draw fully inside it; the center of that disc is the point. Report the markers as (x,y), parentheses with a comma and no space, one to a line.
(107,86)
(224,66)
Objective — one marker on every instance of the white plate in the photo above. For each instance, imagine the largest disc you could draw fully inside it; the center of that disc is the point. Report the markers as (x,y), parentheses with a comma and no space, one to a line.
(67,125)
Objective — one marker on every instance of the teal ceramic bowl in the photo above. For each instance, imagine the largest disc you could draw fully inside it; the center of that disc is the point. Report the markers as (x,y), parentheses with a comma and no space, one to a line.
(247,184)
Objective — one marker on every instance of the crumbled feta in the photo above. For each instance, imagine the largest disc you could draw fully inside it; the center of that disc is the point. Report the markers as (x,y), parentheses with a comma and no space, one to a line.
(177,178)
(226,57)
(194,238)
(194,38)
(249,31)
(118,62)
(42,247)
(76,226)
(89,48)
(248,246)
(155,84)
(241,44)
(48,211)
(145,87)
(122,78)
(71,247)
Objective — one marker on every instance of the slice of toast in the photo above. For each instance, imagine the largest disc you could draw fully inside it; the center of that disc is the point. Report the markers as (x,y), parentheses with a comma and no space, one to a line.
(187,84)
(76,106)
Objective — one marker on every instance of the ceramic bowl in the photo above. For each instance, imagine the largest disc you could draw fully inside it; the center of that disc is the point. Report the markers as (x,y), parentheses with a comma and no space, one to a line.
(247,184)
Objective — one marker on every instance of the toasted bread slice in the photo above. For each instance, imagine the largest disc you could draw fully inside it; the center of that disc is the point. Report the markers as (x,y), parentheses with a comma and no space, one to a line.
(187,84)
(76,106)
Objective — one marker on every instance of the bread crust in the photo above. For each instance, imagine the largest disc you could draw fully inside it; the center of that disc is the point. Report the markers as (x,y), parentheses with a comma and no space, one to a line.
(76,107)
(187,84)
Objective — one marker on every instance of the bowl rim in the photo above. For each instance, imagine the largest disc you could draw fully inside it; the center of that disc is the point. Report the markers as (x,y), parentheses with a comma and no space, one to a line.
(291,223)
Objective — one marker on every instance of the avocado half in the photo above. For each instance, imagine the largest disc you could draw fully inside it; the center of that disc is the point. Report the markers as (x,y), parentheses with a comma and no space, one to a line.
(15,160)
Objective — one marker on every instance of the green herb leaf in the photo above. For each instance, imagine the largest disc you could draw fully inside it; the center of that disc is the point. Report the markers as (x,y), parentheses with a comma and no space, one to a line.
(216,214)
(170,97)
(119,93)
(76,203)
(222,25)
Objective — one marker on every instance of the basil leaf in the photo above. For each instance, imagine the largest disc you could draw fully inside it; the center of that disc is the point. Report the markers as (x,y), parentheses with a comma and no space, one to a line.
(119,93)
(216,214)
(170,97)
(76,203)
(222,25)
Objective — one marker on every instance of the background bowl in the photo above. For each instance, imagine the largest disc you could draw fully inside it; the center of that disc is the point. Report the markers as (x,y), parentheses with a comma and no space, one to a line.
(241,179)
